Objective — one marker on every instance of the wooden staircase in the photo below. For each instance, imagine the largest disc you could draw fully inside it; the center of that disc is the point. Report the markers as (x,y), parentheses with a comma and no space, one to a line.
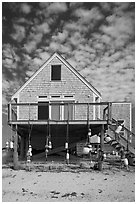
(118,140)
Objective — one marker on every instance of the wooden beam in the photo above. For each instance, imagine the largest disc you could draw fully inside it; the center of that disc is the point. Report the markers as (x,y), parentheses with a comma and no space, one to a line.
(15,154)
(59,122)
(22,148)
(36,104)
(102,138)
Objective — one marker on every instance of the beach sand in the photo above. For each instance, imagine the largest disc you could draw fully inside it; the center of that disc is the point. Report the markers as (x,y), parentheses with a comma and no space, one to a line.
(68,185)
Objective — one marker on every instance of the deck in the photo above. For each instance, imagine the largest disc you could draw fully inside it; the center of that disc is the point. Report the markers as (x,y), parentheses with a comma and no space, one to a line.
(56,122)
(72,113)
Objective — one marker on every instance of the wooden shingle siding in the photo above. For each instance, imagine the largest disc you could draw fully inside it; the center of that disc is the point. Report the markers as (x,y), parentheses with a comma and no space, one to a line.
(42,85)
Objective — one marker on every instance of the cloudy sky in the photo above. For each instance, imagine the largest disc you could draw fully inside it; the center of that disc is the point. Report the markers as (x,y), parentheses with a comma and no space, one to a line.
(97,39)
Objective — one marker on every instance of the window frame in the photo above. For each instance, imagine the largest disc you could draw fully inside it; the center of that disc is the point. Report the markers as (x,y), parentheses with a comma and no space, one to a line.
(54,74)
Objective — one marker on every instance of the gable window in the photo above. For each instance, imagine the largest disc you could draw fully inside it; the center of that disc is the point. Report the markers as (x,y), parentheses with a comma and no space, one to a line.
(55,72)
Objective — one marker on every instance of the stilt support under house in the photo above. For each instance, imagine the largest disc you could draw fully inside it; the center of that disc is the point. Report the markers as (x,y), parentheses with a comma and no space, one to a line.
(15,153)
(100,156)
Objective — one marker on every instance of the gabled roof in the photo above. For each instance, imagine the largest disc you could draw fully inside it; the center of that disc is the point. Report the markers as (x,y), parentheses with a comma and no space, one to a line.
(68,66)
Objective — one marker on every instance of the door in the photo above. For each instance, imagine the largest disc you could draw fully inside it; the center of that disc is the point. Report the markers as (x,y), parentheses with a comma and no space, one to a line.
(55,111)
(43,110)
(68,110)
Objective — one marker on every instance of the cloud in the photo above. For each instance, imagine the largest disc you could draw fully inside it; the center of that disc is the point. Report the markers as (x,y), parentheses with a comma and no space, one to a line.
(75,4)
(54,46)
(88,16)
(106,39)
(33,40)
(61,36)
(25,8)
(43,55)
(29,73)
(55,8)
(31,46)
(120,29)
(8,89)
(19,33)
(73,27)
(44,5)
(106,6)
(7,51)
(10,60)
(43,28)
(76,39)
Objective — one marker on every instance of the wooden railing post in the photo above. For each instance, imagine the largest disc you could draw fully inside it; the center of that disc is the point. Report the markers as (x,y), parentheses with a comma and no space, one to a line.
(88,115)
(29,111)
(109,112)
(127,140)
(105,117)
(9,112)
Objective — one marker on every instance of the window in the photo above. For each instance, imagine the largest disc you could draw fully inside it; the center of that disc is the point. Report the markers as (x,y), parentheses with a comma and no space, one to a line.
(42,96)
(56,72)
(68,110)
(55,110)
(15,99)
(68,96)
(43,110)
(55,96)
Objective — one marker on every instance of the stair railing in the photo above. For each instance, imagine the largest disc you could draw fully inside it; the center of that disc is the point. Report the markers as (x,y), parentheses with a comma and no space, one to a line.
(130,139)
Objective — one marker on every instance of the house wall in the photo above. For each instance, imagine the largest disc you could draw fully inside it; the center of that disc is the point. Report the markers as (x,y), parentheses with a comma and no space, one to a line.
(41,84)
(122,111)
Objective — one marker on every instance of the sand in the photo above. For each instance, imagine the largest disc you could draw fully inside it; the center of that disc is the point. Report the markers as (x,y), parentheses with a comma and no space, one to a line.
(110,185)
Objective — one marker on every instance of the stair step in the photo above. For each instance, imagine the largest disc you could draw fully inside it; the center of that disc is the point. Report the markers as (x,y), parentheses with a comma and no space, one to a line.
(122,141)
(113,143)
(108,139)
(118,146)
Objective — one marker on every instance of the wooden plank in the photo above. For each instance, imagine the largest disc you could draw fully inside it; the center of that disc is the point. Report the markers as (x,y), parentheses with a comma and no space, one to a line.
(77,104)
(74,122)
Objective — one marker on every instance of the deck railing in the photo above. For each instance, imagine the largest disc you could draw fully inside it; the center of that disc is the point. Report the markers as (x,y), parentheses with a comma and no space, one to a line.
(59,111)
